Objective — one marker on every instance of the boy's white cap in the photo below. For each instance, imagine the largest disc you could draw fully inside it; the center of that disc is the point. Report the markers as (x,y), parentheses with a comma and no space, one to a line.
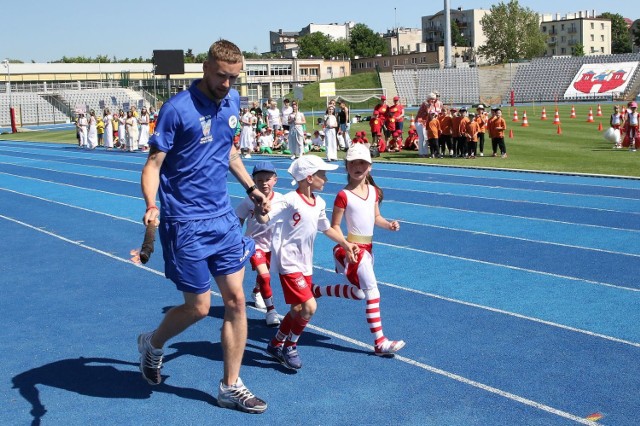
(307,165)
(359,151)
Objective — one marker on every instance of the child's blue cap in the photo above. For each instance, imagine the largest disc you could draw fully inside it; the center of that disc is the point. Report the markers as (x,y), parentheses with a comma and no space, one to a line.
(263,166)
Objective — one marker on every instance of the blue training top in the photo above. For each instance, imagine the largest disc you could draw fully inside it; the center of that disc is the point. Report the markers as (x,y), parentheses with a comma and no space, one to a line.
(196,135)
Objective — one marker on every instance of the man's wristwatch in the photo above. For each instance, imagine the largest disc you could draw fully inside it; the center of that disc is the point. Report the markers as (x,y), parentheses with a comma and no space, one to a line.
(250,189)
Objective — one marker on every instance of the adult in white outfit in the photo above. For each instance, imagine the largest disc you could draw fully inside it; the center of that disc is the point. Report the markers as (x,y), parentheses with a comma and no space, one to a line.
(122,129)
(246,133)
(330,129)
(108,128)
(297,121)
(143,140)
(82,124)
(92,135)
(131,124)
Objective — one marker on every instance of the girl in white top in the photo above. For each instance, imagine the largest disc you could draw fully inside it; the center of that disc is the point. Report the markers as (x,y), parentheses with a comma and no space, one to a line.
(330,136)
(298,217)
(631,126)
(359,203)
(265,178)
(108,129)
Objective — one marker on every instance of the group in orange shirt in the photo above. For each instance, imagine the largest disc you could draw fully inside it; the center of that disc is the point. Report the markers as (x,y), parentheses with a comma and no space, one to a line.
(496,127)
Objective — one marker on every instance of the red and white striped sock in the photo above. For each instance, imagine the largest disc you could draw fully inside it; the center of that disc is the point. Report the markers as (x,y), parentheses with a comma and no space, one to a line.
(374,320)
(346,291)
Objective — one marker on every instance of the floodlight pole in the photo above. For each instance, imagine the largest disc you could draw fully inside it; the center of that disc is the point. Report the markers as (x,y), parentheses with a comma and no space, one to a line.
(12,111)
(447,34)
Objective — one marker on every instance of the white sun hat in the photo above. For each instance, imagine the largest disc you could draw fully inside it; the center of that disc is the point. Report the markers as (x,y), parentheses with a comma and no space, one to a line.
(307,165)
(359,152)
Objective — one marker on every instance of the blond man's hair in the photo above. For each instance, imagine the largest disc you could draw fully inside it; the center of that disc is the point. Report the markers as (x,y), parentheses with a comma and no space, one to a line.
(224,51)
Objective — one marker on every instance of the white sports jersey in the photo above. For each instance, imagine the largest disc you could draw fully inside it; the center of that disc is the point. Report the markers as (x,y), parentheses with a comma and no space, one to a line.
(359,212)
(296,226)
(260,233)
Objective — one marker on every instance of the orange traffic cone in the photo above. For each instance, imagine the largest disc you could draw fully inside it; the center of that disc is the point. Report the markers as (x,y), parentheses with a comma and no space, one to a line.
(573,112)
(525,122)
(511,134)
(515,115)
(590,118)
(559,130)
(544,114)
(556,118)
(412,125)
(599,113)
(600,126)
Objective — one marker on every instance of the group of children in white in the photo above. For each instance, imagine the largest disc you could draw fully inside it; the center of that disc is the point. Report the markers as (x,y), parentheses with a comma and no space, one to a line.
(271,130)
(285,236)
(624,127)
(128,131)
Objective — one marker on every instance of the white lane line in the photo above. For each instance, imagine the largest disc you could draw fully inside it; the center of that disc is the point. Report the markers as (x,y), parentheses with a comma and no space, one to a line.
(409,361)
(503,312)
(510,237)
(517,268)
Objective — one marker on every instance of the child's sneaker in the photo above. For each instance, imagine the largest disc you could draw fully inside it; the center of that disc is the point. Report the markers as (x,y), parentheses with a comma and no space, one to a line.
(275,352)
(258,301)
(272,318)
(150,359)
(238,397)
(291,357)
(389,347)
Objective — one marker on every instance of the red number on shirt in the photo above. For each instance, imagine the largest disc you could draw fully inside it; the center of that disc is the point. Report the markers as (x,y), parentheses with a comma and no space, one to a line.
(296,218)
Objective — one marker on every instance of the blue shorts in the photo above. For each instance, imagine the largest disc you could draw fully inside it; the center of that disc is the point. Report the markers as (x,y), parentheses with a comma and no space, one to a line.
(194,250)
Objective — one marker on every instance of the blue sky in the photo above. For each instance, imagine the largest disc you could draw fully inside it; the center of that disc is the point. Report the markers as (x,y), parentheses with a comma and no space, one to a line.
(136,28)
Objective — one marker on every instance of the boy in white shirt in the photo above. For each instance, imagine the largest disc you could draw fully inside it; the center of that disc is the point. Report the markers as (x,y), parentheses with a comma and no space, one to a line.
(265,178)
(298,217)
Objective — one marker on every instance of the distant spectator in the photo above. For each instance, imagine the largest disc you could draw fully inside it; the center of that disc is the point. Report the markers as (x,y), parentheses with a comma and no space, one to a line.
(82,125)
(344,121)
(297,121)
(143,140)
(100,130)
(273,116)
(397,112)
(92,134)
(131,124)
(496,127)
(330,127)
(286,112)
(107,118)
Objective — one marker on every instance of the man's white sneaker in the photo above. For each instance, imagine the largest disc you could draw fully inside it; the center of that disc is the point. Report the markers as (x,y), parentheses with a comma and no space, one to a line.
(238,397)
(258,301)
(272,318)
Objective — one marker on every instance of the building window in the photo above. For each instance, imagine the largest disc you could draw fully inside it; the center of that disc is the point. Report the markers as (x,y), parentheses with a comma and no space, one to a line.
(592,37)
(281,69)
(602,25)
(562,27)
(304,71)
(544,28)
(602,49)
(385,63)
(602,37)
(313,71)
(563,51)
(414,60)
(592,25)
(256,69)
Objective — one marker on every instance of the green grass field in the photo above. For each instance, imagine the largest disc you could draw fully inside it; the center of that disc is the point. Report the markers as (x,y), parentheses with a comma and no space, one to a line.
(579,149)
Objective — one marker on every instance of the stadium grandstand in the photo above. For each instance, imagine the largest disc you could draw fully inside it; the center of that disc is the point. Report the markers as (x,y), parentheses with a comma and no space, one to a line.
(540,80)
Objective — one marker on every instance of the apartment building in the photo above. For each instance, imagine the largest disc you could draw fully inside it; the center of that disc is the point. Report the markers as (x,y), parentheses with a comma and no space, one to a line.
(583,27)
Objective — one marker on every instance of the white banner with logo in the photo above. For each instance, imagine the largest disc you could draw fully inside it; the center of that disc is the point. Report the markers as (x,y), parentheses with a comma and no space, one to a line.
(602,79)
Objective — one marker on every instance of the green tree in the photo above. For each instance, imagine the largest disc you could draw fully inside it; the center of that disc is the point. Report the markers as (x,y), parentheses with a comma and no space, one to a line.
(577,49)
(189,57)
(457,39)
(620,38)
(365,42)
(317,45)
(513,32)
